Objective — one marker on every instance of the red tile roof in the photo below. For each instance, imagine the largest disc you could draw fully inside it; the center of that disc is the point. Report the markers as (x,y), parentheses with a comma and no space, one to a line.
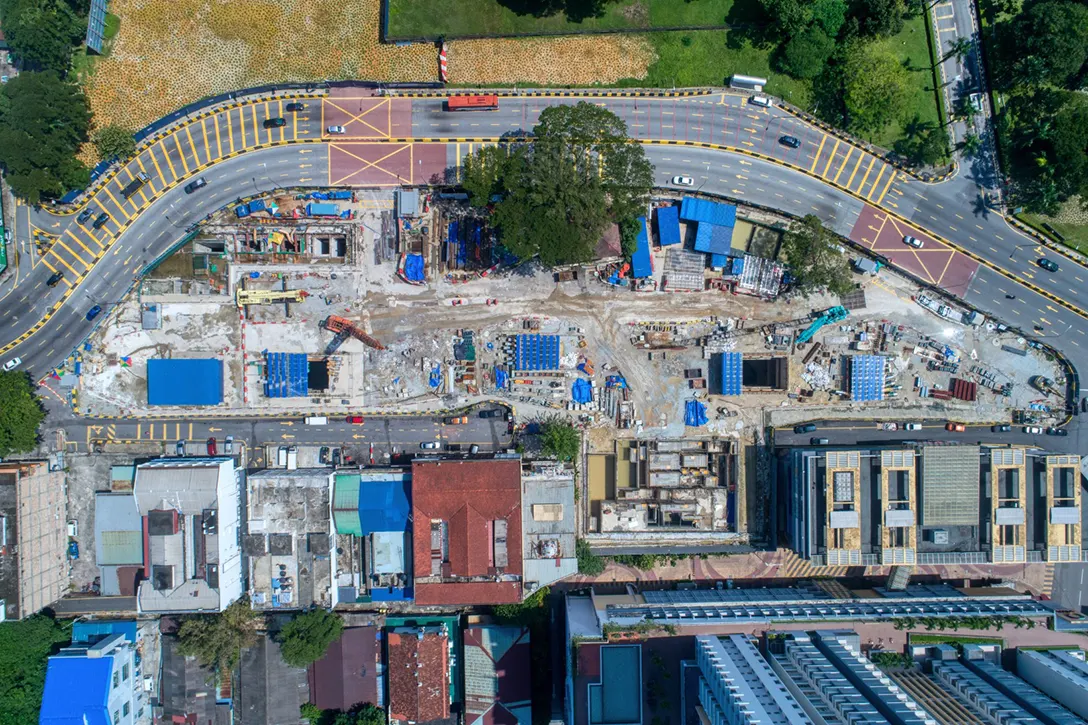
(419,676)
(470,496)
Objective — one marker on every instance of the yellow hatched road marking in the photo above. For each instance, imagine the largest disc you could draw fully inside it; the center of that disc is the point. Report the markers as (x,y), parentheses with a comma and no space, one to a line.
(93,238)
(818,152)
(207,148)
(166,155)
(155,161)
(218,140)
(196,156)
(256,131)
(61,260)
(876,181)
(834,150)
(51,267)
(849,151)
(863,178)
(885,191)
(114,200)
(861,157)
(283,129)
(181,154)
(79,242)
(230,130)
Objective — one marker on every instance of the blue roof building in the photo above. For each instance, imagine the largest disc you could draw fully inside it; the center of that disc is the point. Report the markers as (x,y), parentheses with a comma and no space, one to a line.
(668,225)
(708,212)
(732,373)
(286,375)
(867,378)
(641,264)
(184,382)
(374,505)
(95,684)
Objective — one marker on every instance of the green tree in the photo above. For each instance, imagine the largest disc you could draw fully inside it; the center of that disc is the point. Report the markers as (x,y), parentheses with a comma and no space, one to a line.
(1053,35)
(307,636)
(829,15)
(924,144)
(21,412)
(881,18)
(589,563)
(24,646)
(805,54)
(114,142)
(812,254)
(875,87)
(361,715)
(789,16)
(524,612)
(42,33)
(559,439)
(484,173)
(971,145)
(217,640)
(629,231)
(43,122)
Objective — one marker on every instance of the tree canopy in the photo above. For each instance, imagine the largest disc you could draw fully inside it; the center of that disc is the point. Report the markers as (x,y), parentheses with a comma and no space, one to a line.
(558,194)
(25,646)
(1046,43)
(812,254)
(217,639)
(366,714)
(42,33)
(875,87)
(559,439)
(305,639)
(43,122)
(114,142)
(21,412)
(806,54)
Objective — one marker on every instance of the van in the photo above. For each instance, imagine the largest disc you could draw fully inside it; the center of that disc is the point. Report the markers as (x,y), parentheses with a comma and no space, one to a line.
(316,420)
(292,458)
(281,457)
(760,101)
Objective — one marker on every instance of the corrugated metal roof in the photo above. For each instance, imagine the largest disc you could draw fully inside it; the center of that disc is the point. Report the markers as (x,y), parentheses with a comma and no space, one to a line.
(119,547)
(708,212)
(345,505)
(668,225)
(732,373)
(184,382)
(188,486)
(77,690)
(713,239)
(641,263)
(950,485)
(118,529)
(90,632)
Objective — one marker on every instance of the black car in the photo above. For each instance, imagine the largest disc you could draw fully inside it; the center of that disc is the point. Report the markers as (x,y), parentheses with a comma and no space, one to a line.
(275,122)
(1048,264)
(806,428)
(336,456)
(323,456)
(84,215)
(791,141)
(490,413)
(1057,432)
(100,220)
(55,278)
(1001,428)
(295,107)
(195,184)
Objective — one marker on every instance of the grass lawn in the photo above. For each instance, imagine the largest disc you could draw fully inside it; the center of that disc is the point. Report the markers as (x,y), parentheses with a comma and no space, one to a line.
(83,61)
(454,18)
(953,639)
(1076,234)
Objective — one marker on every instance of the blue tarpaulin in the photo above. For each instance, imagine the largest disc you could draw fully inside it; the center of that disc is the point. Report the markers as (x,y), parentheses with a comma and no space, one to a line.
(738,266)
(641,264)
(500,378)
(668,225)
(184,381)
(581,391)
(616,381)
(708,212)
(867,377)
(718,261)
(286,375)
(435,378)
(731,373)
(694,414)
(413,267)
(713,239)
(536,352)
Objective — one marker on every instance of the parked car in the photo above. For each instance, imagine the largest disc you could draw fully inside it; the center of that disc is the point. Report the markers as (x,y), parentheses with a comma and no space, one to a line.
(819,441)
(355,419)
(1032,429)
(323,455)
(55,278)
(1057,432)
(805,428)
(213,449)
(295,107)
(336,456)
(791,141)
(93,312)
(1048,264)
(228,445)
(12,364)
(956,427)
(760,101)
(195,184)
(497,413)
(474,449)
(429,445)
(100,220)
(84,216)
(683,181)
(336,130)
(457,420)
(912,426)
(275,122)
(1000,428)
(913,242)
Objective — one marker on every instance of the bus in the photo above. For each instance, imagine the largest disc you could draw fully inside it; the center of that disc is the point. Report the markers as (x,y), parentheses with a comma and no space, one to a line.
(472,103)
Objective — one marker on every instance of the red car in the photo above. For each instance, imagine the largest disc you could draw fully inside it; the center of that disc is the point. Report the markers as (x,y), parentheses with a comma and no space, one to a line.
(212,448)
(355,419)
(956,427)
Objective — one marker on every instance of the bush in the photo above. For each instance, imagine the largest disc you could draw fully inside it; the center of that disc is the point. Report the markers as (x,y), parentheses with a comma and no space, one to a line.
(114,142)
(524,612)
(306,638)
(589,563)
(21,413)
(559,439)
(217,640)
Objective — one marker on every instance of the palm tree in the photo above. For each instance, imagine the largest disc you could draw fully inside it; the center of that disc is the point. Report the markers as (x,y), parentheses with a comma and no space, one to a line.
(959,48)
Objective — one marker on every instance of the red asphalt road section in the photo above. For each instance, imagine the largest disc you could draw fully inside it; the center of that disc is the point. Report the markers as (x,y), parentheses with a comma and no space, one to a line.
(366,117)
(935,263)
(386,164)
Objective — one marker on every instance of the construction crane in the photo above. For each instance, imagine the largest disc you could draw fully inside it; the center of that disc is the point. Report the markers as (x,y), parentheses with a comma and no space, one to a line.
(264,297)
(828,317)
(344,329)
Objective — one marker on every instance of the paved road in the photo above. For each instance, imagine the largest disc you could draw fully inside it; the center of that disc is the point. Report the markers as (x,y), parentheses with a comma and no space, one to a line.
(854,432)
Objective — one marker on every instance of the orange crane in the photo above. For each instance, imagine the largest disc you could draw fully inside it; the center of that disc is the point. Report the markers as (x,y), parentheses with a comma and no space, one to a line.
(344,329)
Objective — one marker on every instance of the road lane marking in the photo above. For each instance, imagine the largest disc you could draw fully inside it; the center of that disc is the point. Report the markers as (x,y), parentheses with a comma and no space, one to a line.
(62,261)
(181,154)
(849,151)
(156,164)
(886,187)
(876,181)
(866,176)
(117,203)
(207,146)
(816,160)
(169,163)
(861,157)
(196,156)
(80,243)
(218,140)
(834,150)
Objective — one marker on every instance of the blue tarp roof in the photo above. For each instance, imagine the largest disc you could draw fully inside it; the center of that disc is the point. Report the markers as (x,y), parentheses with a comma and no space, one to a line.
(867,377)
(286,375)
(77,691)
(708,212)
(694,414)
(92,632)
(413,267)
(713,239)
(184,382)
(383,504)
(668,225)
(641,264)
(581,391)
(718,261)
(536,352)
(731,373)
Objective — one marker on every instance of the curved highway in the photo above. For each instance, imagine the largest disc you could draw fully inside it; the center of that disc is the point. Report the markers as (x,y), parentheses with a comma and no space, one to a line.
(729,146)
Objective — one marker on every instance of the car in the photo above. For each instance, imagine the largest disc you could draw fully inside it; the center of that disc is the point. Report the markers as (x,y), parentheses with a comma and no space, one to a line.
(1032,430)
(818,441)
(913,242)
(356,419)
(336,456)
(323,455)
(429,445)
(180,449)
(453,447)
(93,312)
(791,141)
(1048,264)
(213,448)
(195,184)
(805,428)
(228,445)
(956,427)
(55,278)
(1000,428)
(912,426)
(275,122)
(100,220)
(491,413)
(474,449)
(760,101)
(456,420)
(84,216)
(335,130)
(1057,432)
(683,181)
(12,364)
(295,107)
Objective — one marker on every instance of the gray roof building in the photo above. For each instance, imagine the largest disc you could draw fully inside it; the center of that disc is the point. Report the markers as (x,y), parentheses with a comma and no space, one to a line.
(269,691)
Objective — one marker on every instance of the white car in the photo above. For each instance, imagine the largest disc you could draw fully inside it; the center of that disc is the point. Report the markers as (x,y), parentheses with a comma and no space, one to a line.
(912,426)
(760,101)
(912,242)
(429,445)
(336,130)
(1032,429)
(683,181)
(13,363)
